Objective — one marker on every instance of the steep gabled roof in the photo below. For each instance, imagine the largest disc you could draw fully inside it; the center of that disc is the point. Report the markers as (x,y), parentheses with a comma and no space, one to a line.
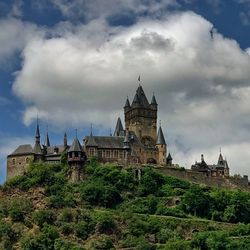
(160,138)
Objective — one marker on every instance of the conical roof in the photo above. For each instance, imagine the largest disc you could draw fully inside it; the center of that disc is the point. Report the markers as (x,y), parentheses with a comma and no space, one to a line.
(76,146)
(160,138)
(153,101)
(169,158)
(142,97)
(119,128)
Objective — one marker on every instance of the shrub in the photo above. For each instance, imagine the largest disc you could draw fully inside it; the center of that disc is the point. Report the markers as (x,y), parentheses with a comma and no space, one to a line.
(81,230)
(105,223)
(43,216)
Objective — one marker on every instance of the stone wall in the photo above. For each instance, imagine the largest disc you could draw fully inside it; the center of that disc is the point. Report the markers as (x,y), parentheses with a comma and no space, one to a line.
(201,178)
(16,165)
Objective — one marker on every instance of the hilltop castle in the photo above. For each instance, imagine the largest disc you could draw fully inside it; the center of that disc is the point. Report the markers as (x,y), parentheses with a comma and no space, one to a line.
(138,143)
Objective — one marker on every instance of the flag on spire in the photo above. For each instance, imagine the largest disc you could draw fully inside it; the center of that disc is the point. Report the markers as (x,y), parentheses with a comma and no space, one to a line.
(139,78)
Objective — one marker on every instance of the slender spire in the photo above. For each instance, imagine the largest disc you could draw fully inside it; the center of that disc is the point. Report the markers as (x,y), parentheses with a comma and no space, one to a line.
(119,128)
(160,137)
(47,141)
(37,132)
(65,140)
(37,148)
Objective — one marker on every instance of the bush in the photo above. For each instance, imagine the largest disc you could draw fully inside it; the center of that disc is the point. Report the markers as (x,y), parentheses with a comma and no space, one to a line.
(81,230)
(105,223)
(101,194)
(103,242)
(18,208)
(43,216)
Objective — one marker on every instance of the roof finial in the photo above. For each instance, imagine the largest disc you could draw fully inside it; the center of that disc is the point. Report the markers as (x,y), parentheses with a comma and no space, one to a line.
(160,123)
(139,80)
(110,132)
(220,150)
(76,132)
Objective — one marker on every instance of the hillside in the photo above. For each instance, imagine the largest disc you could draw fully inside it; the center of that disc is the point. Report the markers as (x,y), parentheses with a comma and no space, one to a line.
(113,210)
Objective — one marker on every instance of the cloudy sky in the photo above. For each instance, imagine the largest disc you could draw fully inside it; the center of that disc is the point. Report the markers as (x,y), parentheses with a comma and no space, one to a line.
(74,62)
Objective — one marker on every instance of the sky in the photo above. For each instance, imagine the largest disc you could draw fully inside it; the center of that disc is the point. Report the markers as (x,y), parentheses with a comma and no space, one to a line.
(73,63)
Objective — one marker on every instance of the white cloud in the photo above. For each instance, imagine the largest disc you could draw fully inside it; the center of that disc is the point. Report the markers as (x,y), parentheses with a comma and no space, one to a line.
(83,74)
(14,35)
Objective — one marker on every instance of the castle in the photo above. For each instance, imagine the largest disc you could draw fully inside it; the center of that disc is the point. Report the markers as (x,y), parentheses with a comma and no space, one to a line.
(139,143)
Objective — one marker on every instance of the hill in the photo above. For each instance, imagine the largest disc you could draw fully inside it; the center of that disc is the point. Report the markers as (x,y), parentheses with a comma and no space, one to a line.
(113,210)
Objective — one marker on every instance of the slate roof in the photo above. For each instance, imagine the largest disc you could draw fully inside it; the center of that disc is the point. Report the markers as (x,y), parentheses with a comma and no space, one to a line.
(142,97)
(76,146)
(50,150)
(160,138)
(23,149)
(106,142)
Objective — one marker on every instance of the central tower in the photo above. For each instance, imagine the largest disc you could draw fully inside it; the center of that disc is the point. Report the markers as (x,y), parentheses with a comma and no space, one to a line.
(141,117)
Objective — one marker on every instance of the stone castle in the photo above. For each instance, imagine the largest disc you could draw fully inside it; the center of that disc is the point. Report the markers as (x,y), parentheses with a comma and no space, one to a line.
(137,144)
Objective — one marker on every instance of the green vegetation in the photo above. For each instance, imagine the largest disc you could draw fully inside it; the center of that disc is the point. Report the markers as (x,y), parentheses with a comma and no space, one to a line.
(113,210)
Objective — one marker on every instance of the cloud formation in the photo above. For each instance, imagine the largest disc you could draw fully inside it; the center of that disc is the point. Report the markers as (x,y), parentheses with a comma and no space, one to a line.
(82,74)
(14,36)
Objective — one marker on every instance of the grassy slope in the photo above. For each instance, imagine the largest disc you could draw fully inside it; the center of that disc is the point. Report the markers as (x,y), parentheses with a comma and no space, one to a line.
(42,210)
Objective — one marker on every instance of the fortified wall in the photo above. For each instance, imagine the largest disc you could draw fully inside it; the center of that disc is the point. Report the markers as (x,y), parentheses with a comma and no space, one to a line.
(201,178)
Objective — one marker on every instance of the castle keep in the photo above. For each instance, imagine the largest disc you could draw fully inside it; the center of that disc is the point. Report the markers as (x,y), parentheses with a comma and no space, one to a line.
(138,143)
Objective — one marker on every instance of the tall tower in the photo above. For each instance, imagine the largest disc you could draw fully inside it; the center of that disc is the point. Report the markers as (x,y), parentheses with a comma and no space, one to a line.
(162,147)
(76,160)
(141,117)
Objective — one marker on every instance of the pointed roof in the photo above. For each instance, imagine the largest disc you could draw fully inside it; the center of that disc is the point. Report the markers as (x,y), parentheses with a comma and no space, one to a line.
(119,128)
(47,141)
(220,160)
(153,101)
(169,158)
(142,97)
(160,138)
(76,146)
(127,104)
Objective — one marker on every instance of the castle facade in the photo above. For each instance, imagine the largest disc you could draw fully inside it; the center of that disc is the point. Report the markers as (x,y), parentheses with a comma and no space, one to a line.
(138,143)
